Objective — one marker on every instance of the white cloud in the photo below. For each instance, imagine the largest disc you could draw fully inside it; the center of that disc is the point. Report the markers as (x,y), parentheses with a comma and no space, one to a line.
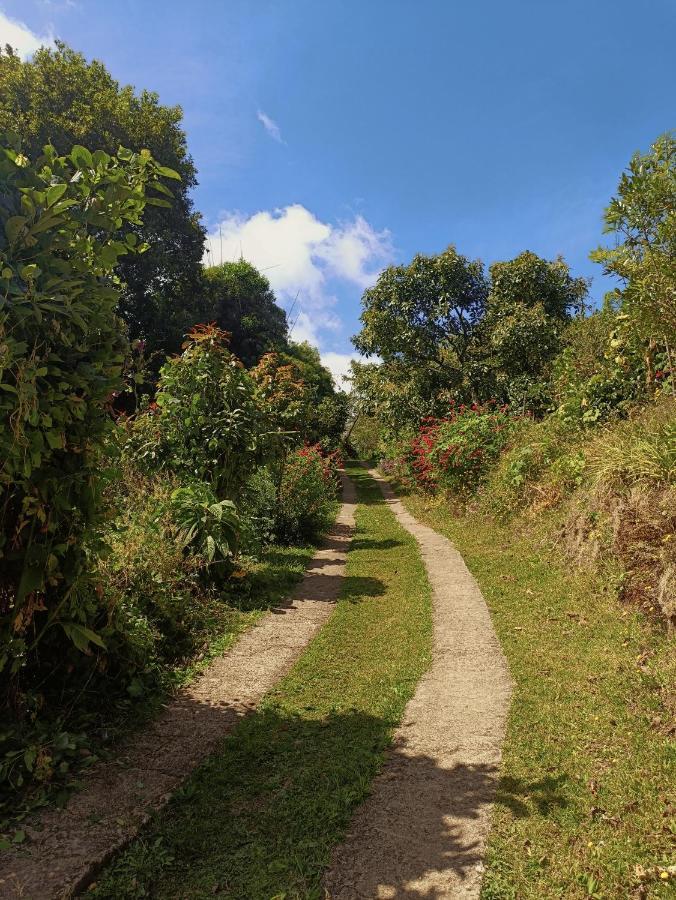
(304,257)
(270,126)
(339,366)
(20,37)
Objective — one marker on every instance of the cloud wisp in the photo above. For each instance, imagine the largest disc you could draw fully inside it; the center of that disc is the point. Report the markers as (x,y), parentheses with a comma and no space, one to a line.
(21,38)
(270,126)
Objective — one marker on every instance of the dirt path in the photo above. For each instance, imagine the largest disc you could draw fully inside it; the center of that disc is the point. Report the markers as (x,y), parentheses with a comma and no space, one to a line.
(422,831)
(68,847)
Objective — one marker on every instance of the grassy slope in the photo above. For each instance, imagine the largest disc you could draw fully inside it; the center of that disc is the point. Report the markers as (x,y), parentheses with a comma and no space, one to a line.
(259,819)
(584,798)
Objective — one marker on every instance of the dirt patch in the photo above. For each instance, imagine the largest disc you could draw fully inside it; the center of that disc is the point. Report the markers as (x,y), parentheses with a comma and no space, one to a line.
(422,831)
(68,847)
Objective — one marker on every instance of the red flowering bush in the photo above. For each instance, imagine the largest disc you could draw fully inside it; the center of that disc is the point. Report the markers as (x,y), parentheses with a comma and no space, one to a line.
(455,452)
(308,489)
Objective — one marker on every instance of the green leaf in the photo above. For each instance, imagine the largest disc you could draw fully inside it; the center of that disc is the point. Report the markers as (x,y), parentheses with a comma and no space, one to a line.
(82,636)
(168,173)
(55,192)
(81,157)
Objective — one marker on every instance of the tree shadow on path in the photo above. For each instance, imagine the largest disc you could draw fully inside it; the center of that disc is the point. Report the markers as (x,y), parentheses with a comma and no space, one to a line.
(262,816)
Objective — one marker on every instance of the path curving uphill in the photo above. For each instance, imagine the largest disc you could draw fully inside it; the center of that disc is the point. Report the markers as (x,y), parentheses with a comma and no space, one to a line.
(68,847)
(422,832)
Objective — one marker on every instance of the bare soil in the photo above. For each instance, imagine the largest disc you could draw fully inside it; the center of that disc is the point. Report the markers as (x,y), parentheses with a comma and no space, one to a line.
(66,848)
(422,831)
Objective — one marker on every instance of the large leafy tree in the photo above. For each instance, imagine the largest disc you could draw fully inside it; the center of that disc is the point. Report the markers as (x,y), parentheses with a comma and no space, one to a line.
(424,313)
(530,304)
(421,319)
(239,300)
(59,97)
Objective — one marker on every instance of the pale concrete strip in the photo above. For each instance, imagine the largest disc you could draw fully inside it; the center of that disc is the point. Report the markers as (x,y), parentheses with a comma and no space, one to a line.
(67,848)
(422,831)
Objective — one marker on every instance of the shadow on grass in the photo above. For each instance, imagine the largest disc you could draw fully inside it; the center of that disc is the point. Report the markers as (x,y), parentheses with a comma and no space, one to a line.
(545,794)
(261,817)
(366,544)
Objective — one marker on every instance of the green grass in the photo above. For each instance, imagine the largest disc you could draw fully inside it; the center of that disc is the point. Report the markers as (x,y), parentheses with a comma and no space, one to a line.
(260,817)
(587,791)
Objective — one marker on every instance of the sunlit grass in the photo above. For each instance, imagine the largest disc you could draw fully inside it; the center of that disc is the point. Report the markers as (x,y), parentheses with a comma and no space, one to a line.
(585,807)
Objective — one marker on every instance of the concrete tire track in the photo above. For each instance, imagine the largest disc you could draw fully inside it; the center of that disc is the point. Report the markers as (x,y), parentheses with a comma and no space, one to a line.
(422,832)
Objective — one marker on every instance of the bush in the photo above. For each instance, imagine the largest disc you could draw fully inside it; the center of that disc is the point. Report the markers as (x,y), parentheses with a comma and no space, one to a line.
(541,462)
(601,373)
(62,349)
(206,424)
(307,494)
(455,453)
(207,526)
(257,505)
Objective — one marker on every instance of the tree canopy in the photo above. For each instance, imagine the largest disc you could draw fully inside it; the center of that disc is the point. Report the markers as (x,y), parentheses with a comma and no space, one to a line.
(239,300)
(446,332)
(59,97)
(643,219)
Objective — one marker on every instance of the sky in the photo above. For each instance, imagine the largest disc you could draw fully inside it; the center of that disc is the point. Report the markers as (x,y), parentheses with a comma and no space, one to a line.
(334,138)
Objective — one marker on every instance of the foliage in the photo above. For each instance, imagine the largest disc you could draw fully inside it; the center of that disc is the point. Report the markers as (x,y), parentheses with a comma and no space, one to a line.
(206,525)
(284,395)
(445,333)
(540,463)
(308,363)
(530,302)
(257,503)
(297,395)
(639,450)
(454,453)
(239,300)
(306,495)
(643,219)
(421,318)
(58,97)
(61,353)
(206,424)
(600,373)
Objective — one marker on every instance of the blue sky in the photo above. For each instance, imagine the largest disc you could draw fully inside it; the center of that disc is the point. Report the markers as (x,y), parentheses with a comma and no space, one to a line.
(334,137)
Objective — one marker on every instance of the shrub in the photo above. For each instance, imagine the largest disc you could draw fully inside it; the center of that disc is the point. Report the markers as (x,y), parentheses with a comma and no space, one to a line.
(541,462)
(257,503)
(306,495)
(206,424)
(207,526)
(455,453)
(62,349)
(601,373)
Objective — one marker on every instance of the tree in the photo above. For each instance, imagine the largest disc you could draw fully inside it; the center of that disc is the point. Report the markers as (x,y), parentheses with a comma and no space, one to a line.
(424,313)
(298,394)
(60,98)
(643,219)
(239,300)
(530,303)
